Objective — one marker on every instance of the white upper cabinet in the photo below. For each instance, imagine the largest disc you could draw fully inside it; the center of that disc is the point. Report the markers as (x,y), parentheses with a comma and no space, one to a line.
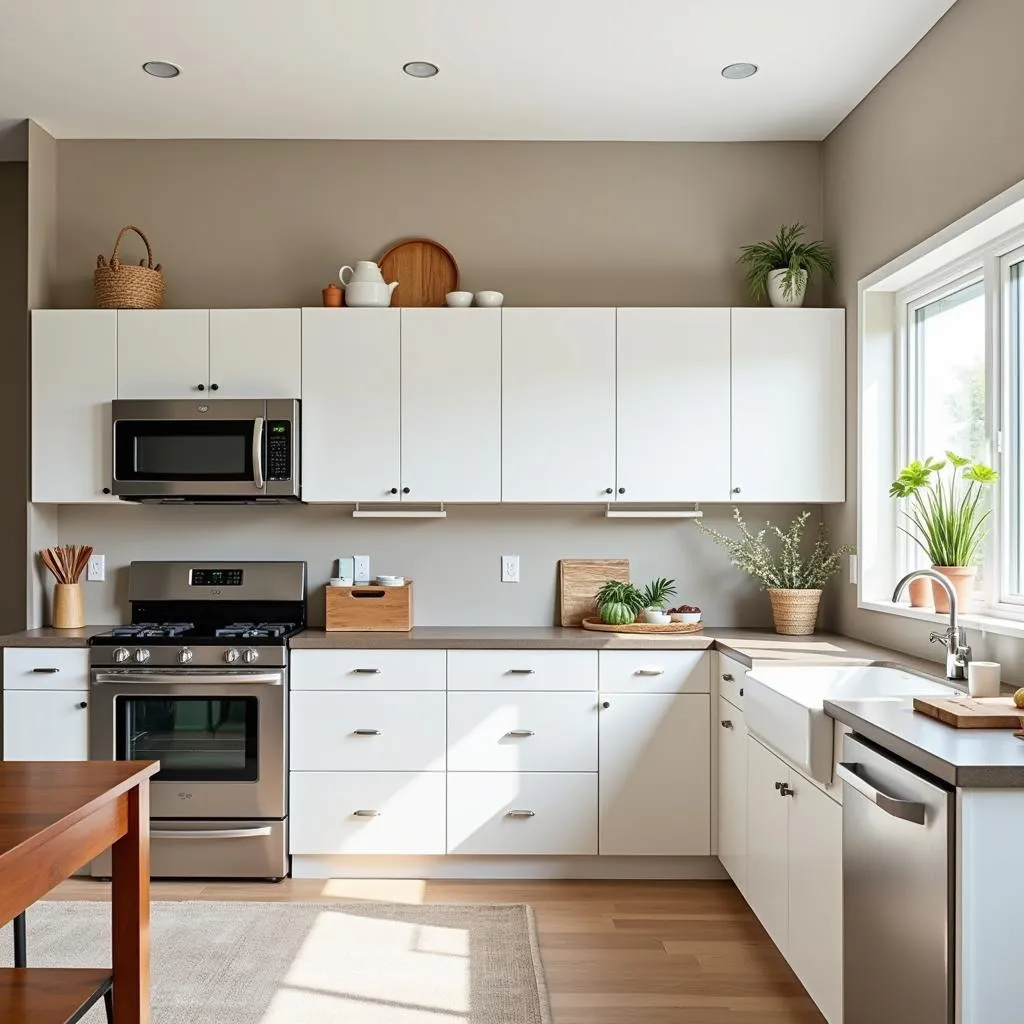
(451,404)
(351,405)
(256,353)
(74,380)
(163,353)
(788,405)
(558,405)
(673,405)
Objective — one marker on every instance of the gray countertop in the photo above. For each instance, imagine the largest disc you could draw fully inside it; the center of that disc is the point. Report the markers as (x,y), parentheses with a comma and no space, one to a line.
(47,636)
(972,758)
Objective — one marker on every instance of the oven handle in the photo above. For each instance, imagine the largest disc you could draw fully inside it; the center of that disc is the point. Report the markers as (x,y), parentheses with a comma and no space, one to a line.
(257,452)
(187,679)
(215,833)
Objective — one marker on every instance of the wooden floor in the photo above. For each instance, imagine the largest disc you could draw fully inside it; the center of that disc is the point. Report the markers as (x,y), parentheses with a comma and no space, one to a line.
(614,952)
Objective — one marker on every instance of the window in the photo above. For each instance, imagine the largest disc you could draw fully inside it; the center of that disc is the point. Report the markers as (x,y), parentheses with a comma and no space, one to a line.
(1012,585)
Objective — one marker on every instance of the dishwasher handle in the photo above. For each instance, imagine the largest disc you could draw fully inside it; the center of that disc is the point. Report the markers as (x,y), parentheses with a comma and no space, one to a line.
(908,810)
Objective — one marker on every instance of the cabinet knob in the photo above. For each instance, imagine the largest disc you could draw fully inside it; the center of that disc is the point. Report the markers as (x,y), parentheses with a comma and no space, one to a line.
(741,691)
(215,387)
(785,790)
(405,490)
(106,490)
(609,490)
(394,490)
(735,490)
(622,490)
(726,723)
(728,677)
(83,704)
(606,704)
(200,387)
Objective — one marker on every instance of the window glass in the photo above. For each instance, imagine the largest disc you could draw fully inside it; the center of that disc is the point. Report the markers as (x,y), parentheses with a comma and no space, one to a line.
(1014,541)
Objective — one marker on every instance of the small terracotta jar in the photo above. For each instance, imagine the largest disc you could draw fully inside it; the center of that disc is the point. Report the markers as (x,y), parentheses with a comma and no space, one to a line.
(332,295)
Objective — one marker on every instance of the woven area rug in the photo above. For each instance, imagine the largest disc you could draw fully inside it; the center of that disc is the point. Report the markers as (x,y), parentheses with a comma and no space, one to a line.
(315,963)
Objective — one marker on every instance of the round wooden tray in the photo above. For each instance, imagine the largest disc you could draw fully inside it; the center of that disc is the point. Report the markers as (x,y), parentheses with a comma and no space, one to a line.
(643,627)
(425,271)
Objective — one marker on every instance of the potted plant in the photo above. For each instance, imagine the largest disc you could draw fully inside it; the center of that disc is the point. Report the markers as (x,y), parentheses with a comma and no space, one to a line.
(656,595)
(792,575)
(947,517)
(780,268)
(618,603)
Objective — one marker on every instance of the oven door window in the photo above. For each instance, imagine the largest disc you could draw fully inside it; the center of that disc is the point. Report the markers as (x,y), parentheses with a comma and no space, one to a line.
(183,450)
(195,739)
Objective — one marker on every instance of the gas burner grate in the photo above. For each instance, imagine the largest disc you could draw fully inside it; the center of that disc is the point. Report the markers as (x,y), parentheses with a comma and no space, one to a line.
(151,630)
(254,630)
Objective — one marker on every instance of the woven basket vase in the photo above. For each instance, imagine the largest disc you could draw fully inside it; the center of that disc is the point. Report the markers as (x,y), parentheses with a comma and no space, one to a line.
(795,611)
(120,285)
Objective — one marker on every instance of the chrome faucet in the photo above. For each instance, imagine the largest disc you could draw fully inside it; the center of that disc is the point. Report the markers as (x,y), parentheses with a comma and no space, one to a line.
(958,654)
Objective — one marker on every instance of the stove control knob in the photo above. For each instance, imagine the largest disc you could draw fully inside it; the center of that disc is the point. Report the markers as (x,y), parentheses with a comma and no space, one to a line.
(142,655)
(121,655)
(231,656)
(250,655)
(185,655)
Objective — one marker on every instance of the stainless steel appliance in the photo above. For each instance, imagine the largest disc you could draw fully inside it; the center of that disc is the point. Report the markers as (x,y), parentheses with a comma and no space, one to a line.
(222,449)
(898,891)
(199,681)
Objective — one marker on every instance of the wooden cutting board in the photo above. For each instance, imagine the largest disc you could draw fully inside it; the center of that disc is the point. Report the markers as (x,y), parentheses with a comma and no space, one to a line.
(972,712)
(579,580)
(425,271)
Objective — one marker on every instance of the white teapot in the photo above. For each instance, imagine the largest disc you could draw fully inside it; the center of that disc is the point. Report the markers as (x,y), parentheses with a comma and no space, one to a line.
(365,285)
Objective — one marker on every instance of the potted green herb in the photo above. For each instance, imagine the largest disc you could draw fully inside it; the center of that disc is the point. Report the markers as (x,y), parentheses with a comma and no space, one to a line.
(656,595)
(780,268)
(793,575)
(947,517)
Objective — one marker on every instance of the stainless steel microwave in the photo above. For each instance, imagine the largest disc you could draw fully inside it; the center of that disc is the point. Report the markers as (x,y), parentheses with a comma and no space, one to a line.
(219,450)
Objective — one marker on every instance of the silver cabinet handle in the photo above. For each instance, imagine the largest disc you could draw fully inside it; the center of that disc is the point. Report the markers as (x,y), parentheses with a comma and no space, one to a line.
(46,671)
(257,453)
(366,732)
(908,810)
(213,833)
(726,723)
(520,732)
(728,677)
(520,814)
(367,671)
(367,814)
(649,672)
(521,671)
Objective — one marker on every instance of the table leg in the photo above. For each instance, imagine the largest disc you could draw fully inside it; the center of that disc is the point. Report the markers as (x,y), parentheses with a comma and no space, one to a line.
(20,941)
(130,944)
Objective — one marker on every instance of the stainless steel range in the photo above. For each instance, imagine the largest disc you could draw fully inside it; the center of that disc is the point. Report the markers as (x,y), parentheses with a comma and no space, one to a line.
(199,681)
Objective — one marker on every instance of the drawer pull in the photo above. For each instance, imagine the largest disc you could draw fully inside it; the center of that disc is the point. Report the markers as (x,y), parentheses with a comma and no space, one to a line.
(520,732)
(520,814)
(46,671)
(649,672)
(728,677)
(366,814)
(520,671)
(366,732)
(726,723)
(367,671)
(82,705)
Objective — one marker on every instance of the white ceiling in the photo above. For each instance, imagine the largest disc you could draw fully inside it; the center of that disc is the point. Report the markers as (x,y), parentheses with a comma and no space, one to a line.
(510,69)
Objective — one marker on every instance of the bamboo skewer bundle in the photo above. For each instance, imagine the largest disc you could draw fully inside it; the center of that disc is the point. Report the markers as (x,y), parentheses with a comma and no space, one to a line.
(67,562)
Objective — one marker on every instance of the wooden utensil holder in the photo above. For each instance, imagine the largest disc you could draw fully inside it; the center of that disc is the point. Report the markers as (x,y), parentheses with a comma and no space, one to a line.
(68,609)
(369,607)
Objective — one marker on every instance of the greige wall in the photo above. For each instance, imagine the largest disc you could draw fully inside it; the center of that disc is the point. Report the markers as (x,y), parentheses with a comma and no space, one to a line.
(238,223)
(455,562)
(936,138)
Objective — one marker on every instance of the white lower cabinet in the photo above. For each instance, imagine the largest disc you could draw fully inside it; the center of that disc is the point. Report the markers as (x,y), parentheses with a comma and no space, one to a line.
(46,725)
(732,792)
(512,813)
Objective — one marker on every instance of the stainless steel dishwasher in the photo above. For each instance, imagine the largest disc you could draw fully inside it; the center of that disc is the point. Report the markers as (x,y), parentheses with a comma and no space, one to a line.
(898,888)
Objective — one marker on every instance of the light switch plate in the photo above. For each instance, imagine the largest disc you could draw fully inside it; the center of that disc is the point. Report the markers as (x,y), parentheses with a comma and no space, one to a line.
(509,568)
(853,568)
(362,568)
(96,571)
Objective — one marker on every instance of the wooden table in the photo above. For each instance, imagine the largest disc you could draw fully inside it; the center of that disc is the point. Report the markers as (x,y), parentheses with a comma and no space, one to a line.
(55,817)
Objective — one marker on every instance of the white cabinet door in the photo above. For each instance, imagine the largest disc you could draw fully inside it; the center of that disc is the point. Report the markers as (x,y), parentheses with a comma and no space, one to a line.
(816,896)
(732,792)
(673,405)
(767,889)
(46,725)
(74,380)
(256,353)
(351,405)
(788,405)
(451,404)
(655,774)
(558,405)
(163,353)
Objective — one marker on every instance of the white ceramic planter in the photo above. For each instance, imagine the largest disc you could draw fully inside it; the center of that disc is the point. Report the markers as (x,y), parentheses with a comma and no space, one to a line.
(656,617)
(775,294)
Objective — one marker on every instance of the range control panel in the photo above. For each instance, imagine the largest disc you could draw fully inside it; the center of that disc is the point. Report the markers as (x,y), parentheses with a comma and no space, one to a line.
(279,450)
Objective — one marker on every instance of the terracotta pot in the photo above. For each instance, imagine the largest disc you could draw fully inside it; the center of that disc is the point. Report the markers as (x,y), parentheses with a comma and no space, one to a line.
(332,295)
(921,593)
(963,578)
(795,612)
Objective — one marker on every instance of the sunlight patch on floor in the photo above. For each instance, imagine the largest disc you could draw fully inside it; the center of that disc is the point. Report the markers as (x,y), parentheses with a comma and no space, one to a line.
(385,890)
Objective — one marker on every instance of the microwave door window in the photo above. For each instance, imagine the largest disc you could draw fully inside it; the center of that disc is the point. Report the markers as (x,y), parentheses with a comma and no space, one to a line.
(172,450)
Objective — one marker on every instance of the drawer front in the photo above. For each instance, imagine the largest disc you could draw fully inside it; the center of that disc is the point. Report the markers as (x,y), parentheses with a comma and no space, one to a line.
(522,813)
(367,670)
(655,672)
(522,670)
(527,732)
(367,812)
(46,668)
(731,677)
(367,732)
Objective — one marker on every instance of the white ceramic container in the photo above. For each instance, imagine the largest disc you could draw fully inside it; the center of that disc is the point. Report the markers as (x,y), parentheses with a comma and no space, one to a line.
(459,299)
(687,618)
(367,293)
(656,617)
(489,300)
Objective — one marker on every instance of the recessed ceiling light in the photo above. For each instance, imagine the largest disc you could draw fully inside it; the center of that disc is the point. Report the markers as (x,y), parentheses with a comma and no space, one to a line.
(741,70)
(161,69)
(420,69)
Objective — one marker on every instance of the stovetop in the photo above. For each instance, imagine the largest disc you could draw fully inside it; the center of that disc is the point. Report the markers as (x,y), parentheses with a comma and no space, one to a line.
(175,632)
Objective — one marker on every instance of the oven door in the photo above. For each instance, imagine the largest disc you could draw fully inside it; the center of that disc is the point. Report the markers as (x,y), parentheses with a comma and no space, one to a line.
(219,737)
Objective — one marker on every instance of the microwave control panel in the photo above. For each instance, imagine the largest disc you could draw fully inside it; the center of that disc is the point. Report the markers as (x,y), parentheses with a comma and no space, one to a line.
(279,450)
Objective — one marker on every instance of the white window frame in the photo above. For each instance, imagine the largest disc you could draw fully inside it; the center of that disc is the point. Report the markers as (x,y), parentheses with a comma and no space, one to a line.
(1011,411)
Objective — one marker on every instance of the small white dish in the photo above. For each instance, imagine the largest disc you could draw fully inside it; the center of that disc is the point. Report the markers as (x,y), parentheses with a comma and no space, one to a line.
(656,617)
(489,300)
(686,618)
(459,299)
(391,581)
(339,581)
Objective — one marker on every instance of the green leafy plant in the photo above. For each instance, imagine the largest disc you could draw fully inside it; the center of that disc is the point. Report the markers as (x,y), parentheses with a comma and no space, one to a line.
(619,603)
(945,510)
(785,252)
(789,565)
(657,592)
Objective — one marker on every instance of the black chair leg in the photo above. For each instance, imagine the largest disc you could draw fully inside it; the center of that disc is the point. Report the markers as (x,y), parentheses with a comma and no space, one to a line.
(20,942)
(108,1004)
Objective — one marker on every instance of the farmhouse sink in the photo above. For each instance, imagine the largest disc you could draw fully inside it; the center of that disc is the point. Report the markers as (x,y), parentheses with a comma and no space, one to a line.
(783,705)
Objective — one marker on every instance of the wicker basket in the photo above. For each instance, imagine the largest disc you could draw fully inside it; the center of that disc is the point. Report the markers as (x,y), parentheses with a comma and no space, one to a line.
(795,611)
(122,286)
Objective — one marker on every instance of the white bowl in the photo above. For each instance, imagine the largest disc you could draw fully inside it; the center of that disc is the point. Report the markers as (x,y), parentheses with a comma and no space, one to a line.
(687,618)
(391,581)
(656,617)
(489,299)
(460,299)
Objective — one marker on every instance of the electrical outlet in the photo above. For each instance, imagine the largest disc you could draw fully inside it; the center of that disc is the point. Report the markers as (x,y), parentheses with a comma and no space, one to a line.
(853,568)
(97,568)
(361,568)
(509,568)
